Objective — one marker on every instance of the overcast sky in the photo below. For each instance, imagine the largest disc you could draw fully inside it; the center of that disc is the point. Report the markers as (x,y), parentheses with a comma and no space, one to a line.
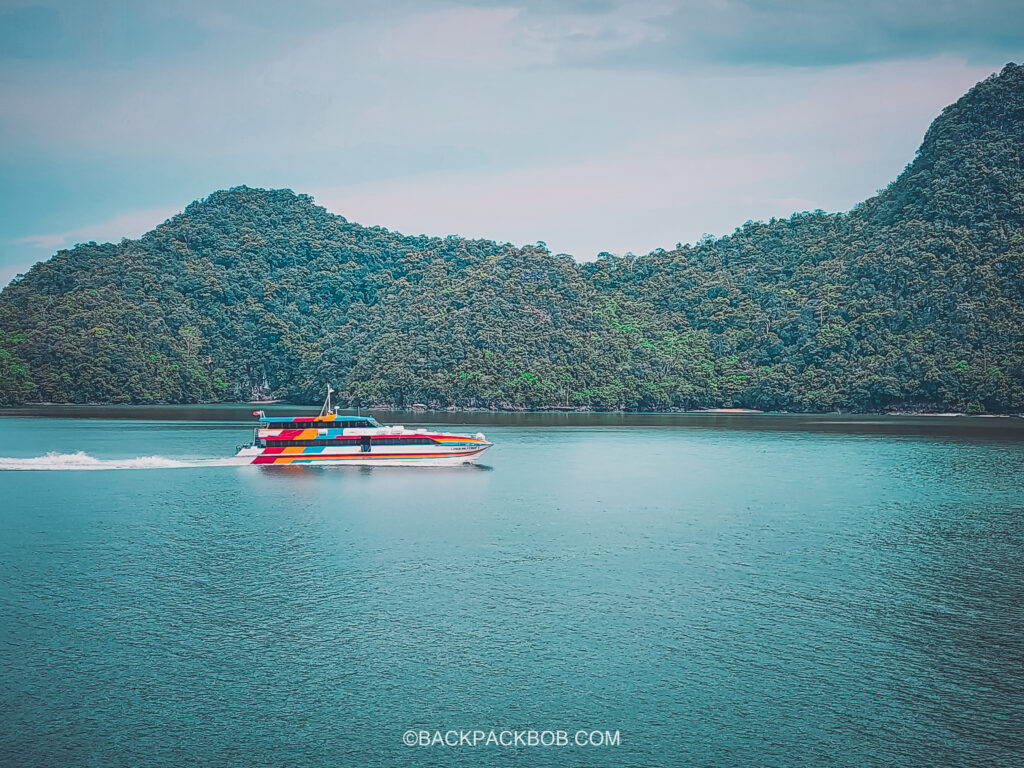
(593,126)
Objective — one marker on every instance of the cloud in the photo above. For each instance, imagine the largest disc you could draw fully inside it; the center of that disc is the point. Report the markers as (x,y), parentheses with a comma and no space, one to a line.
(668,35)
(464,35)
(635,160)
(460,80)
(131,224)
(49,242)
(511,37)
(706,162)
(593,125)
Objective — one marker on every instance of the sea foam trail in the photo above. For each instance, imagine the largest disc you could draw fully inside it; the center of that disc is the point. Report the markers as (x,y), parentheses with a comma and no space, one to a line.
(82,460)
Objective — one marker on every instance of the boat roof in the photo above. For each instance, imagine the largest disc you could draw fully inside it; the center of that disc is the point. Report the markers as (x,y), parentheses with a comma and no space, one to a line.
(307,419)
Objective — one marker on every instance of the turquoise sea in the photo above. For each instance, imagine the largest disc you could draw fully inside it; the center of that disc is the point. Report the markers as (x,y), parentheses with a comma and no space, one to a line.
(719,590)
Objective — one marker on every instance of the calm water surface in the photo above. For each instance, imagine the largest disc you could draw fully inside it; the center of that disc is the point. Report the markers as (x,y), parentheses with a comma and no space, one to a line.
(723,591)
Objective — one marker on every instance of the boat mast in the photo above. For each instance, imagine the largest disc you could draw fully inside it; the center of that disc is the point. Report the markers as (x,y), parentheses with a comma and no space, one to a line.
(326,410)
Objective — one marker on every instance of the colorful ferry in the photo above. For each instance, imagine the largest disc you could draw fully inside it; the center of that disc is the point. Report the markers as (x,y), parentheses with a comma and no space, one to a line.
(333,439)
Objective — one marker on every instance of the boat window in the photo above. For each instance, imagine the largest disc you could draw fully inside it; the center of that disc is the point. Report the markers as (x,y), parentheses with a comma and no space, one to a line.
(287,443)
(364,424)
(365,441)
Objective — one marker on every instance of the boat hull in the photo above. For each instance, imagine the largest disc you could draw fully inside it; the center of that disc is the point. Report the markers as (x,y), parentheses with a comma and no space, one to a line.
(435,458)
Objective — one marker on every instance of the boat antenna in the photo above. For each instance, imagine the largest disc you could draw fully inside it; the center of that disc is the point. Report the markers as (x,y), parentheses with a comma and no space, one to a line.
(326,410)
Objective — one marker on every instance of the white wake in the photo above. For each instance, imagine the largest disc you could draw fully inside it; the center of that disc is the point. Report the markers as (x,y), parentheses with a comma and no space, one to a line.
(82,460)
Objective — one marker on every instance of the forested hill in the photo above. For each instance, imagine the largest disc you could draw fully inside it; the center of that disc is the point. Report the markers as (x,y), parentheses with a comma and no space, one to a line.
(913,300)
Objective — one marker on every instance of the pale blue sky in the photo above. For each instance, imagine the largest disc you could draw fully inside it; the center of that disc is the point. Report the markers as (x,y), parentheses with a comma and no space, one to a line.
(619,126)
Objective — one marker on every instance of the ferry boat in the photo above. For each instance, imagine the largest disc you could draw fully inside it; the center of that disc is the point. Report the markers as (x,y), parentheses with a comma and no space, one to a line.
(330,438)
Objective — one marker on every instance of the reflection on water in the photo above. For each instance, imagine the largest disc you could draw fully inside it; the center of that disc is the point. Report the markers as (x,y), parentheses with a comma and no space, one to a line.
(312,471)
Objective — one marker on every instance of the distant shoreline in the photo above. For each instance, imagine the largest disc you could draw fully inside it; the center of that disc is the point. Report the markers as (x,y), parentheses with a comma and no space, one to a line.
(547,411)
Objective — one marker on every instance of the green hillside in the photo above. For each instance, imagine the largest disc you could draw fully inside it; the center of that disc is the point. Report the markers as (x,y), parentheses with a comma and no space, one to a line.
(913,300)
